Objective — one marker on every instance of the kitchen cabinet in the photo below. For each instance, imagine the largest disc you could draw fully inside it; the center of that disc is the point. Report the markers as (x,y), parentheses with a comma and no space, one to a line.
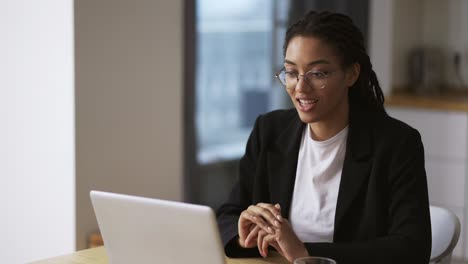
(444,136)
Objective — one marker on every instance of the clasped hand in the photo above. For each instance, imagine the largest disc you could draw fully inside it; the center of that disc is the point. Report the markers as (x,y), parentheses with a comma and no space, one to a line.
(262,225)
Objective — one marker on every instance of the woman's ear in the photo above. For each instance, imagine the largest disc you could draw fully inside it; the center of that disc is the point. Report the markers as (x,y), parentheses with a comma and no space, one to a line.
(352,74)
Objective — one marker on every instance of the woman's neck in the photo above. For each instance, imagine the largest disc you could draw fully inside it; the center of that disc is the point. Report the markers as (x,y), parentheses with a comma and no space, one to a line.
(326,129)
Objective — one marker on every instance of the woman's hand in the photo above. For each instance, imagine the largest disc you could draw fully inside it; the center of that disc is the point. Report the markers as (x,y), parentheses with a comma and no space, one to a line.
(262,216)
(284,240)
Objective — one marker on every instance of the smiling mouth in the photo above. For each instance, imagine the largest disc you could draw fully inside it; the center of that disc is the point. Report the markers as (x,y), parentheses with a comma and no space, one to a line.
(307,102)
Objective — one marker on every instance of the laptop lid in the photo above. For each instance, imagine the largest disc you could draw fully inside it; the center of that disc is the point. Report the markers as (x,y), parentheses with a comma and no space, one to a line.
(143,230)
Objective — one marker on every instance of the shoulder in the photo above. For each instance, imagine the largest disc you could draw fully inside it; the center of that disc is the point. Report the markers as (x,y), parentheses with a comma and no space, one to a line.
(393,133)
(278,118)
(390,126)
(272,126)
(379,123)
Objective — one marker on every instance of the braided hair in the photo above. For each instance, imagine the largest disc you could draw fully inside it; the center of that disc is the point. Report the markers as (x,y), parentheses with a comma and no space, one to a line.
(339,31)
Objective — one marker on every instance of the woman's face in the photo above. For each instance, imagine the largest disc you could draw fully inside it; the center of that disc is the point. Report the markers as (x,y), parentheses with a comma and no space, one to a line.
(329,104)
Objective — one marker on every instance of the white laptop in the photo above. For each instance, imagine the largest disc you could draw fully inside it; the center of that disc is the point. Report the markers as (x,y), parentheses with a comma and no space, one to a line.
(143,230)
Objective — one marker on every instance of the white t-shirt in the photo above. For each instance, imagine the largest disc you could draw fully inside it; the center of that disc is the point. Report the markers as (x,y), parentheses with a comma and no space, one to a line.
(318,176)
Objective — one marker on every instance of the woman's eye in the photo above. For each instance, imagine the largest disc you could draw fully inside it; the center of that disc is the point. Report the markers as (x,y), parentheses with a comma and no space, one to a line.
(318,74)
(290,73)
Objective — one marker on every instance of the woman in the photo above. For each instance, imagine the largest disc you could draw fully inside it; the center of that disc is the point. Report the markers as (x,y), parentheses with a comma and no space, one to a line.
(336,176)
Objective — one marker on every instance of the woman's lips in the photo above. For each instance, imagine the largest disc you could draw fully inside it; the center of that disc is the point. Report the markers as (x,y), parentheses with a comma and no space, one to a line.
(306,105)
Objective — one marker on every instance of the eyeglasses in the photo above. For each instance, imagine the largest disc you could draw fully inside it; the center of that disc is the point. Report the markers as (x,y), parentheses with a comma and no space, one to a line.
(314,79)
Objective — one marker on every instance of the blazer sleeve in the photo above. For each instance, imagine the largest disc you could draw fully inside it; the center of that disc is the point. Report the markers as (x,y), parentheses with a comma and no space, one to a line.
(240,198)
(409,236)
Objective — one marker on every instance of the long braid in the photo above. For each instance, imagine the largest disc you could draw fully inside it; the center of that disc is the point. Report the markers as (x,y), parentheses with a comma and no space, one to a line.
(339,31)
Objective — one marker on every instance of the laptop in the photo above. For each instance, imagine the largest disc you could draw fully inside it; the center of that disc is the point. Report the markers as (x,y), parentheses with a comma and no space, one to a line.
(144,230)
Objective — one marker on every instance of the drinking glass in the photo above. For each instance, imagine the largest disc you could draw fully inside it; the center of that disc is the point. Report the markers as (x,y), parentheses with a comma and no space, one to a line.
(314,260)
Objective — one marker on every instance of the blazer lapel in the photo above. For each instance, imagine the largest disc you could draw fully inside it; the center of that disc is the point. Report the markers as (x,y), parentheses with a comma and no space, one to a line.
(357,163)
(282,163)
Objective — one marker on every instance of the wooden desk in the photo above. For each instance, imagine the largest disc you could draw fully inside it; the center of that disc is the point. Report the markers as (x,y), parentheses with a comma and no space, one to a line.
(98,256)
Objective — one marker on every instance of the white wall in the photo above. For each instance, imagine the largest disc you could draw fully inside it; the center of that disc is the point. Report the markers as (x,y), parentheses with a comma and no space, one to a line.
(36,130)
(129,79)
(380,41)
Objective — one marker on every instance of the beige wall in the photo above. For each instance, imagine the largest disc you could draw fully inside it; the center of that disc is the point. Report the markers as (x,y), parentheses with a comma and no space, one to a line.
(407,34)
(129,79)
(397,26)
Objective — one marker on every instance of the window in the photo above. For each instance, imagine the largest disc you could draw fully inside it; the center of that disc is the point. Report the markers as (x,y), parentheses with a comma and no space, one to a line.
(233,51)
(236,58)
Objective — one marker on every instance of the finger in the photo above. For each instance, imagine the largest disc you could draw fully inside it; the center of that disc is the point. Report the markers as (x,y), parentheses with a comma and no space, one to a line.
(246,220)
(264,212)
(246,215)
(279,217)
(277,247)
(260,236)
(245,224)
(258,220)
(252,235)
(265,246)
(275,210)
(274,217)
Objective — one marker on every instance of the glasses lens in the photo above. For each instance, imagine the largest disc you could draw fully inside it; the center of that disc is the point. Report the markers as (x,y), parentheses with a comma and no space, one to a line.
(282,77)
(317,80)
(288,79)
(314,79)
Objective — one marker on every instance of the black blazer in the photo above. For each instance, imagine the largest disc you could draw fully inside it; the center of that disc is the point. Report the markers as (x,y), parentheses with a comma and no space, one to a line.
(382,212)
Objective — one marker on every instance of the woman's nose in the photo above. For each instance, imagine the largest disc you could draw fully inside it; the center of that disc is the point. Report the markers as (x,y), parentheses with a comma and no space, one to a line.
(302,85)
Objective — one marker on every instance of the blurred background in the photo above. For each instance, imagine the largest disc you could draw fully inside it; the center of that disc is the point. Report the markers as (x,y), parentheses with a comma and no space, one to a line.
(157,98)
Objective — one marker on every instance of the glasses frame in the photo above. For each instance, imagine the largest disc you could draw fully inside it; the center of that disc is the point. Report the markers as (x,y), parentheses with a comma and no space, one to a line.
(307,81)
